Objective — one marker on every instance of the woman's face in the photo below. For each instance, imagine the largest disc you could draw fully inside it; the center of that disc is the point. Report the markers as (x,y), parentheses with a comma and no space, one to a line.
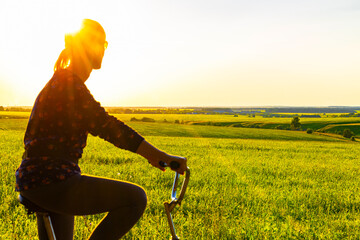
(95,49)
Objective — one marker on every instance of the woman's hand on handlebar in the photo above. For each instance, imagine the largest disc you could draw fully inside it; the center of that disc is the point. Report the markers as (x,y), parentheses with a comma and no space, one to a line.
(160,159)
(176,163)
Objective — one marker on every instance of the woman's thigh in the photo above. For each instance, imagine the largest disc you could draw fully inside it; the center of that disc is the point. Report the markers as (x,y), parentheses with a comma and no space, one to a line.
(84,194)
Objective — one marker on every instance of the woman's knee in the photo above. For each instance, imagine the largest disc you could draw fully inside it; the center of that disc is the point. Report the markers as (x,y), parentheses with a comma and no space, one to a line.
(140,197)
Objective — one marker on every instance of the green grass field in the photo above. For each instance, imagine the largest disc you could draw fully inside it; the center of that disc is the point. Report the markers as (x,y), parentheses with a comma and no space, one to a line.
(246,183)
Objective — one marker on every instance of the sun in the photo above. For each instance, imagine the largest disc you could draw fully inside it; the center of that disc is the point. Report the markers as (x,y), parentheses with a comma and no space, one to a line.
(72,25)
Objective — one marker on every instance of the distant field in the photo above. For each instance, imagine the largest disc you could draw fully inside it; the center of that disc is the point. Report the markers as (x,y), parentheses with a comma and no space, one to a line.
(161,128)
(332,125)
(13,115)
(246,183)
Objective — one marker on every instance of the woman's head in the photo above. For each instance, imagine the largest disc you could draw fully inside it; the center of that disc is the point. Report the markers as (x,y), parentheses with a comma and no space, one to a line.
(86,47)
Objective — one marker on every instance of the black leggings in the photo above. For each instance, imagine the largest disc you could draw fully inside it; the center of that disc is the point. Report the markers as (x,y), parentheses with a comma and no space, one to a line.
(83,195)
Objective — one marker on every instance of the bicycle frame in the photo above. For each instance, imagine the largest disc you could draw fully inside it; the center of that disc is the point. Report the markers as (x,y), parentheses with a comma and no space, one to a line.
(169,206)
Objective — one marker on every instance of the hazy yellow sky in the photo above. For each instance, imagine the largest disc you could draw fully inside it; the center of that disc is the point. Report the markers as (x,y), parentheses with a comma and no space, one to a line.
(191,52)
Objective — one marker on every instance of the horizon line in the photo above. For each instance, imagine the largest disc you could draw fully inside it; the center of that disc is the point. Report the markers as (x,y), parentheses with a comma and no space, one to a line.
(246,106)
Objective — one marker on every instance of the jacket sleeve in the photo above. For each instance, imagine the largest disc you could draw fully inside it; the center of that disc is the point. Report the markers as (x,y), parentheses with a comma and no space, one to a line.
(99,123)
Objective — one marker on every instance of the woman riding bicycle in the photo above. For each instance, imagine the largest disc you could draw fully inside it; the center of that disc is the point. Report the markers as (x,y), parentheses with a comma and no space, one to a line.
(62,116)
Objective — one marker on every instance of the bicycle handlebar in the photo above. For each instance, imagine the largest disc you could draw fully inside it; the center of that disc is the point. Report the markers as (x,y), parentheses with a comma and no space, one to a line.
(173,165)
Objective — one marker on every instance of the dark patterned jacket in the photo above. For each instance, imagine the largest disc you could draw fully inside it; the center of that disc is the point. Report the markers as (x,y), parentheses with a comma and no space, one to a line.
(63,115)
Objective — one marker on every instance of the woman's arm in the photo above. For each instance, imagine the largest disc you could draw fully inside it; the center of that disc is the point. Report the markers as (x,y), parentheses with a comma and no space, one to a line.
(154,156)
(100,123)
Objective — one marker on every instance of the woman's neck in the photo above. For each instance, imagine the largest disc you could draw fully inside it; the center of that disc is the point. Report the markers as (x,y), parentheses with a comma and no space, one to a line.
(81,70)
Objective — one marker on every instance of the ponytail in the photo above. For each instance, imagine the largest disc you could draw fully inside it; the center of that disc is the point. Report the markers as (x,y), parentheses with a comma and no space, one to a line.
(63,60)
(65,57)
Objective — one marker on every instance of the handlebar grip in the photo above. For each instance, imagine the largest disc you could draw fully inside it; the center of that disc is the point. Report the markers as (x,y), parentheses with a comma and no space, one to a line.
(173,165)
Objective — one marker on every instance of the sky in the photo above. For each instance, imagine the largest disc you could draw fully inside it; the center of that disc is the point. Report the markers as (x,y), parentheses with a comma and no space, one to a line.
(191,52)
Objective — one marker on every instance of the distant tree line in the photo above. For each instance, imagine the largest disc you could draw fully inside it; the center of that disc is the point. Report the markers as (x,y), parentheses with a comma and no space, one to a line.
(118,110)
(144,119)
(312,109)
(286,112)
(15,109)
